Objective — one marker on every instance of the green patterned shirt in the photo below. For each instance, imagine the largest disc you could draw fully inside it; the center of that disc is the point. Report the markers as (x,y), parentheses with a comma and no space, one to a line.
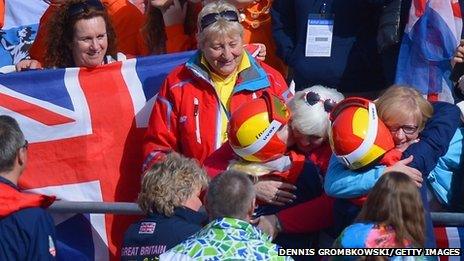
(226,239)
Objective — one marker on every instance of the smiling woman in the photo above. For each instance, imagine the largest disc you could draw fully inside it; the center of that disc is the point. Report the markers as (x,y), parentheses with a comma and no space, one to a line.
(82,36)
(197,98)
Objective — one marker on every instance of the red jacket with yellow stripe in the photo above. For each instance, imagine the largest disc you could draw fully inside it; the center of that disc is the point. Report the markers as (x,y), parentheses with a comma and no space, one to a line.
(186,116)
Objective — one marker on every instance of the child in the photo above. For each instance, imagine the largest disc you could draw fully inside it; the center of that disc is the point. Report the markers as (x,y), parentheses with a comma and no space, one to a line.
(392,216)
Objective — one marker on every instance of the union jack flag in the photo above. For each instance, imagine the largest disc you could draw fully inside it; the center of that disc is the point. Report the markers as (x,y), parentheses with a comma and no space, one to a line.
(85,129)
(450,237)
(431,36)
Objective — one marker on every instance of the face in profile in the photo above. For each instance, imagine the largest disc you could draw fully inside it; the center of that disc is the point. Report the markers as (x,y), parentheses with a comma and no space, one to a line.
(90,42)
(306,143)
(223,54)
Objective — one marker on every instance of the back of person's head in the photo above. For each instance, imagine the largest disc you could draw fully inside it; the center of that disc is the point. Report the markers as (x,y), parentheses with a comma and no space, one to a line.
(218,20)
(154,27)
(169,183)
(399,102)
(60,30)
(312,117)
(230,194)
(11,141)
(395,201)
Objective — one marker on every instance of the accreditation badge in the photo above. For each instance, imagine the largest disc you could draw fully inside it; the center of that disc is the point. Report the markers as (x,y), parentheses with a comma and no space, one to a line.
(319,35)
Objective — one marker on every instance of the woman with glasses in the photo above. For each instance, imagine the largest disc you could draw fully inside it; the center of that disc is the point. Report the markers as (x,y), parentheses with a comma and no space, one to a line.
(56,31)
(429,143)
(194,104)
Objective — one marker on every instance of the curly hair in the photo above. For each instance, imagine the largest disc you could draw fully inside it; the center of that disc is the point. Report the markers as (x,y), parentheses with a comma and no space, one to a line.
(58,41)
(154,28)
(169,182)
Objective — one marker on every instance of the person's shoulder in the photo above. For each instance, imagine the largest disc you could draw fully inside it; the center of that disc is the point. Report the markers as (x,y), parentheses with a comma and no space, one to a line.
(30,219)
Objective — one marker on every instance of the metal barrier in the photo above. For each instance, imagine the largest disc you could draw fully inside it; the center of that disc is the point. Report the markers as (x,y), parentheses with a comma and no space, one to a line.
(127,208)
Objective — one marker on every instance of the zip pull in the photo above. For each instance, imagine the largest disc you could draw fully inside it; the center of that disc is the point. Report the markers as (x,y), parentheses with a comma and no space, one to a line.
(196,105)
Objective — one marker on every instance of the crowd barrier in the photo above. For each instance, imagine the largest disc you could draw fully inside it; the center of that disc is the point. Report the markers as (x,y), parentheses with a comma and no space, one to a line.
(127,208)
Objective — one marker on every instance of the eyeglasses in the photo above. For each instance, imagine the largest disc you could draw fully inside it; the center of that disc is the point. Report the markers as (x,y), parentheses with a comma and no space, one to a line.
(407,129)
(210,19)
(312,98)
(84,7)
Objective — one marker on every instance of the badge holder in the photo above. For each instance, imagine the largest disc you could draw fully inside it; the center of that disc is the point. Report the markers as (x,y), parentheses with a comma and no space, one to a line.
(319,34)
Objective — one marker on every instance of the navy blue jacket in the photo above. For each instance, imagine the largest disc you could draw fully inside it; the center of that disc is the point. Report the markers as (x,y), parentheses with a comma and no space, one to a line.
(27,234)
(157,233)
(355,64)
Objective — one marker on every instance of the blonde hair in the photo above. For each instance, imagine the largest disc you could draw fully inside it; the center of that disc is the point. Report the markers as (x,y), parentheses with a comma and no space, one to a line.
(169,182)
(222,27)
(400,102)
(312,120)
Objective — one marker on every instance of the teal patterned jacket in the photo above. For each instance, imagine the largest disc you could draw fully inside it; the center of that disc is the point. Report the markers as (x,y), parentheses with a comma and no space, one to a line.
(226,239)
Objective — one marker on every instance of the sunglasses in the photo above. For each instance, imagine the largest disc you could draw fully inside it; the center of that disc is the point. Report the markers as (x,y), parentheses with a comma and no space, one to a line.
(312,98)
(84,7)
(407,129)
(210,19)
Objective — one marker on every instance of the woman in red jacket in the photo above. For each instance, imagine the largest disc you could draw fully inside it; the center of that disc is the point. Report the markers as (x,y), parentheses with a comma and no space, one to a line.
(191,111)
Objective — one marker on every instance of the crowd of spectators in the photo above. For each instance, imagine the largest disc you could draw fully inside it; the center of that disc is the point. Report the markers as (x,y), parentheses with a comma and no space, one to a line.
(237,164)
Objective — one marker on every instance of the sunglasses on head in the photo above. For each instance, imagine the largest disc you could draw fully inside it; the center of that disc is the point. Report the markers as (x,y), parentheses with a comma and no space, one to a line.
(312,98)
(84,7)
(210,19)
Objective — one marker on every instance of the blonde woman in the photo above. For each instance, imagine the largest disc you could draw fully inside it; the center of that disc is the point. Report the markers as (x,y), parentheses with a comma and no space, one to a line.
(192,108)
(424,133)
(170,198)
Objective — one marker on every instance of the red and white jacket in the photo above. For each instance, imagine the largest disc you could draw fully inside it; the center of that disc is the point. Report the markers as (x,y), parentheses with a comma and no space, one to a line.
(186,116)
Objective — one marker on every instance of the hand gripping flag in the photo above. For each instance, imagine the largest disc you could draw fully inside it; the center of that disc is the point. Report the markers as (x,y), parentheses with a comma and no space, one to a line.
(85,130)
(431,36)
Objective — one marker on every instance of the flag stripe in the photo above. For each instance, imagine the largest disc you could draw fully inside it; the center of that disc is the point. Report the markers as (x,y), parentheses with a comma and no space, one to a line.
(32,111)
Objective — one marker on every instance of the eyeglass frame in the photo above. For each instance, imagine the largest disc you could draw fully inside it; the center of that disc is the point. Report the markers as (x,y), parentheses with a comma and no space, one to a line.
(84,7)
(406,131)
(211,18)
(328,104)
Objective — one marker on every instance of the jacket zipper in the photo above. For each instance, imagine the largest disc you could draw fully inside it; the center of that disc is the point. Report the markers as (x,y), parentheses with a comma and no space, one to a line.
(196,105)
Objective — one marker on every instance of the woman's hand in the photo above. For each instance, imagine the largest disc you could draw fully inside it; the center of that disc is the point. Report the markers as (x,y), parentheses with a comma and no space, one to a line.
(27,64)
(175,13)
(401,166)
(274,192)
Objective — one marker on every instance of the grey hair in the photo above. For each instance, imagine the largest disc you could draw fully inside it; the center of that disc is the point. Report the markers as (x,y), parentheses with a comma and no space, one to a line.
(11,140)
(222,27)
(312,120)
(230,194)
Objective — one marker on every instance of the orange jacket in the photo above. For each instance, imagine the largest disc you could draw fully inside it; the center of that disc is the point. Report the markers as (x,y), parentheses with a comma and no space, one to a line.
(127,21)
(257,29)
(186,116)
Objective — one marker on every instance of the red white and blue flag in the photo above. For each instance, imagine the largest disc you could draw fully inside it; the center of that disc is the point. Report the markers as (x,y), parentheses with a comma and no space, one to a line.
(431,36)
(450,237)
(85,128)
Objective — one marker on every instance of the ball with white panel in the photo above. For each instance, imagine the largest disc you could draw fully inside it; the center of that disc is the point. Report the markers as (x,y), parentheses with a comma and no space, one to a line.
(253,127)
(357,136)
